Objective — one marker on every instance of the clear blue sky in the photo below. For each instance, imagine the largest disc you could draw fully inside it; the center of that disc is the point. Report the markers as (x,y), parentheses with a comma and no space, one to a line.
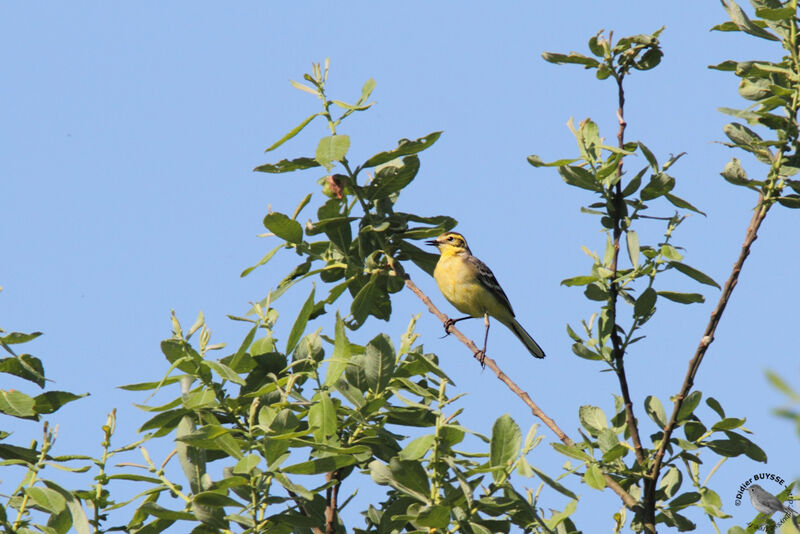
(129,134)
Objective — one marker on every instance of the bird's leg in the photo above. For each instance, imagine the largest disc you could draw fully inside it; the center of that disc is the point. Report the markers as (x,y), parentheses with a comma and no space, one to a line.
(482,353)
(450,322)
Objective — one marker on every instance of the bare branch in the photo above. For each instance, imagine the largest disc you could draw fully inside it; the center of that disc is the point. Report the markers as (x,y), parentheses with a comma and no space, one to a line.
(332,498)
(626,497)
(616,342)
(707,338)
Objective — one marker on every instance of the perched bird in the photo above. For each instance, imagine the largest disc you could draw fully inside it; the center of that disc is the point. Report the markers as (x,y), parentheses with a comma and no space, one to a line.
(767,503)
(468,284)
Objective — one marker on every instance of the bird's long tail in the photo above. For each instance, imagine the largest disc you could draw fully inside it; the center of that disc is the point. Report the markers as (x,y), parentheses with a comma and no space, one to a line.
(525,337)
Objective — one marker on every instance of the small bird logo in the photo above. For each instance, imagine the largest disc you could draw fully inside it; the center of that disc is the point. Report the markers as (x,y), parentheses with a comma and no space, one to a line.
(469,285)
(767,503)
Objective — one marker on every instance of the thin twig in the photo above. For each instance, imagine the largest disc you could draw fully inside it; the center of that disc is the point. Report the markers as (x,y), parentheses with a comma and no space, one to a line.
(616,342)
(626,497)
(759,214)
(332,498)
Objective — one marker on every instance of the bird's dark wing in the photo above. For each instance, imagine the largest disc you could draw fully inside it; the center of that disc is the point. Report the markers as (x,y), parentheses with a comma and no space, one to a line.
(487,278)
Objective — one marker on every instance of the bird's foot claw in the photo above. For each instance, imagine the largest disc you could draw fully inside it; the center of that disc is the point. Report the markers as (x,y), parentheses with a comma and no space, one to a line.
(481,356)
(447,325)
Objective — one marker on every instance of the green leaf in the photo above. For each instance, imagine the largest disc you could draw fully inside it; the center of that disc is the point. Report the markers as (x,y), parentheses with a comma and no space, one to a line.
(413,483)
(505,445)
(744,137)
(726,447)
(332,148)
(417,448)
(285,165)
(648,154)
(341,354)
(552,483)
(268,256)
(14,453)
(716,406)
(671,481)
(46,498)
(422,259)
(735,174)
(224,371)
(351,107)
(670,252)
(678,202)
(683,500)
(593,419)
(364,300)
(750,449)
(595,291)
(366,90)
(743,22)
(159,511)
(726,66)
(633,247)
(682,298)
(321,465)
(689,404)
(17,404)
(790,201)
(634,184)
(781,385)
(322,417)
(691,272)
(584,352)
(571,333)
(379,362)
(146,386)
(594,477)
(26,367)
(300,323)
(655,411)
(14,338)
(660,184)
(645,303)
(572,58)
(213,499)
(294,131)
(536,161)
(729,423)
(51,401)
(578,280)
(214,437)
(579,177)
(777,14)
(392,176)
(694,430)
(80,522)
(436,517)
(404,148)
(284,227)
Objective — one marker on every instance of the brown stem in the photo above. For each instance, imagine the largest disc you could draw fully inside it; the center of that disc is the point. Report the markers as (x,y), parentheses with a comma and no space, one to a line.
(708,336)
(626,497)
(616,342)
(332,495)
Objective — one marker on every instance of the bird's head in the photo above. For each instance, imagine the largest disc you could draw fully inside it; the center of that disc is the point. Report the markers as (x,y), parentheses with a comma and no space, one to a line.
(450,243)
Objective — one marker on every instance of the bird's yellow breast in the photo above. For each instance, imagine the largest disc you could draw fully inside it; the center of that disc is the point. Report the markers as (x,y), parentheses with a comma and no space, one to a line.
(458,281)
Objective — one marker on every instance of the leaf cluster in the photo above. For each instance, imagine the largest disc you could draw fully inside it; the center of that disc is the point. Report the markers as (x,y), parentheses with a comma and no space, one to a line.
(357,239)
(771,86)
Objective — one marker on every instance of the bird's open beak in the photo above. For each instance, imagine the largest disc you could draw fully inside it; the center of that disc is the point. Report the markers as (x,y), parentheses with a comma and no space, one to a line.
(432,243)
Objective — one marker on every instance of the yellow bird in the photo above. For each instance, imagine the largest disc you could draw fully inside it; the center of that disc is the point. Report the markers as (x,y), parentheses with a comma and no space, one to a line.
(469,285)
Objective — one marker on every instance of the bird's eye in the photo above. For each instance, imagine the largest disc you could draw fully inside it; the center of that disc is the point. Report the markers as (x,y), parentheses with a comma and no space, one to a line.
(450,238)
